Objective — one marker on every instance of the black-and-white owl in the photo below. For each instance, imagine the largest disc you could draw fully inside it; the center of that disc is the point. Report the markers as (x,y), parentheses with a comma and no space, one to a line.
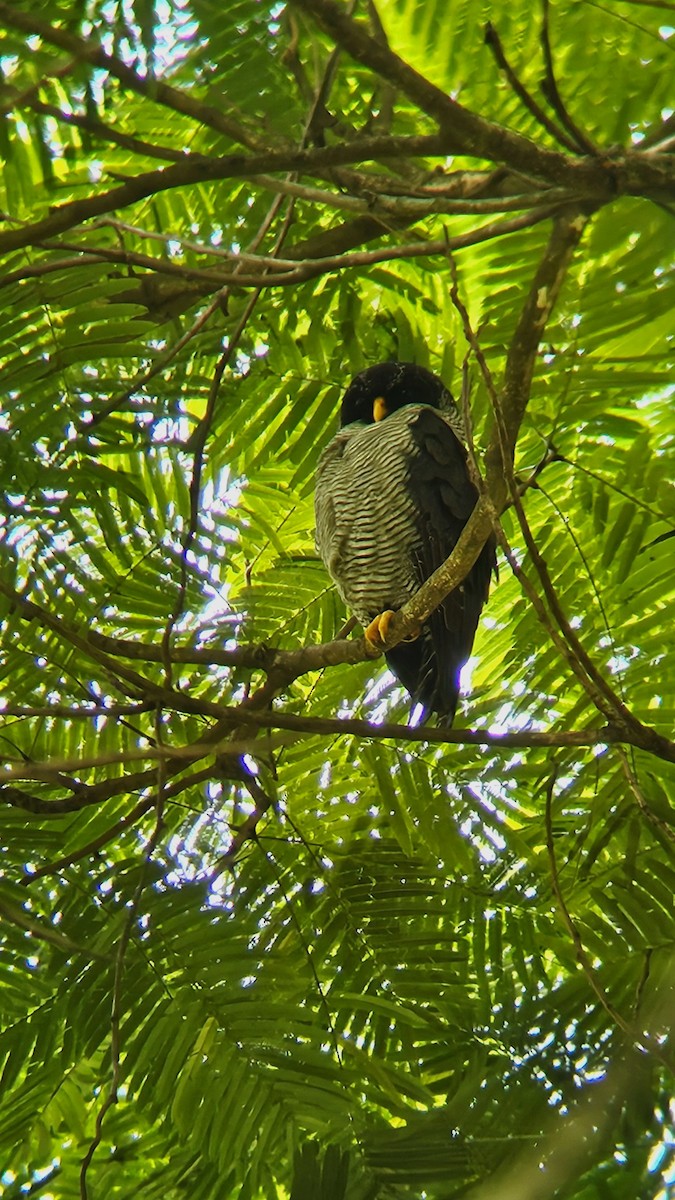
(393,494)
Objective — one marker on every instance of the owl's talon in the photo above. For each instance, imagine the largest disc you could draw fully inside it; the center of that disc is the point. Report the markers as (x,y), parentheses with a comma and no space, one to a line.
(378,630)
(376,633)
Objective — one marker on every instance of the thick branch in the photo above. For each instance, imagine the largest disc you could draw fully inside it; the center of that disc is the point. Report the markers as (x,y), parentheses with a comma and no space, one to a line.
(196,169)
(282,273)
(521,357)
(356,727)
(468,133)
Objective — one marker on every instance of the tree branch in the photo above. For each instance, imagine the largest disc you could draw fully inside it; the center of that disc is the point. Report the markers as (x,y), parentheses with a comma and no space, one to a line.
(493,40)
(550,89)
(534,315)
(285,272)
(467,132)
(105,132)
(196,169)
(87,50)
(498,461)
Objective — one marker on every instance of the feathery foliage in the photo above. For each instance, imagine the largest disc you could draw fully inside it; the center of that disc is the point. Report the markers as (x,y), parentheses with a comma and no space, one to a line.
(244,953)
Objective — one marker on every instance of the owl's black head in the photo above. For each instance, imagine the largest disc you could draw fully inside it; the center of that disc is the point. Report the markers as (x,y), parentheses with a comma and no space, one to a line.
(380,390)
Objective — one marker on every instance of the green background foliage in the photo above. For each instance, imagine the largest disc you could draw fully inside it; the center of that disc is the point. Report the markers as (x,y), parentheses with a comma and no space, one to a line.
(439,968)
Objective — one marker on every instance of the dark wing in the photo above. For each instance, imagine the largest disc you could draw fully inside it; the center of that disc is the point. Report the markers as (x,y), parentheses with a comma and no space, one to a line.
(444,498)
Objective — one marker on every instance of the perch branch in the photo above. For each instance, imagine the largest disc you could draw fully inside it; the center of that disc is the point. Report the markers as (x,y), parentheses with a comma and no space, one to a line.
(520,361)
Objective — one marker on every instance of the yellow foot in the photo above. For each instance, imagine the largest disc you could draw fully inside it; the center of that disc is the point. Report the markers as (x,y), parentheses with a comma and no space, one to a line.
(378,630)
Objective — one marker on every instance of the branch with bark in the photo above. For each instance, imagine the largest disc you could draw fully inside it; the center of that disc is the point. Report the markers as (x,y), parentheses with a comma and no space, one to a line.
(545,183)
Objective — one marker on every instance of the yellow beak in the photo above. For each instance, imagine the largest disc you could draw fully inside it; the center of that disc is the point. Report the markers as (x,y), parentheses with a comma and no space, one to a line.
(380,410)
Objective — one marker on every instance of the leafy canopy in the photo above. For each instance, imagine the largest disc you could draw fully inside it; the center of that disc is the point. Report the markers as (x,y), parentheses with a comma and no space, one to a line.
(247,952)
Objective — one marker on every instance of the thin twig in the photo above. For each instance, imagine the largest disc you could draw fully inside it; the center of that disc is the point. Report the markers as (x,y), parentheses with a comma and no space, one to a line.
(160,364)
(200,435)
(568,644)
(569,529)
(308,950)
(580,951)
(550,90)
(271,274)
(76,711)
(640,799)
(107,132)
(86,50)
(493,40)
(120,959)
(58,865)
(199,438)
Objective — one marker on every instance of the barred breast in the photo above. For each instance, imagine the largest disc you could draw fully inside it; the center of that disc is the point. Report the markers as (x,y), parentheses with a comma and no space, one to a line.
(366,519)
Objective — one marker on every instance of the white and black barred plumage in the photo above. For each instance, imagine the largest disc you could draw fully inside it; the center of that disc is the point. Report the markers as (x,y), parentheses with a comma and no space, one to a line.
(393,494)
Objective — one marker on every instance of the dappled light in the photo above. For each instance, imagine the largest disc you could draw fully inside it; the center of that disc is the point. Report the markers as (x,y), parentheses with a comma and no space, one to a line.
(269,931)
